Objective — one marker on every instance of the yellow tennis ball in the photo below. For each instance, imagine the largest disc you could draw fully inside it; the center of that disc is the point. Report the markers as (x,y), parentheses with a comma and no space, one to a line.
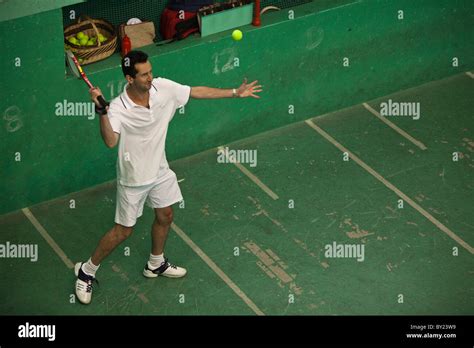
(237,35)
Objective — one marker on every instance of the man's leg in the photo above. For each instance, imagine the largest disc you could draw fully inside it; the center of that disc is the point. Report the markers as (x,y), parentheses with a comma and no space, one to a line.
(85,272)
(157,264)
(160,228)
(110,241)
(129,208)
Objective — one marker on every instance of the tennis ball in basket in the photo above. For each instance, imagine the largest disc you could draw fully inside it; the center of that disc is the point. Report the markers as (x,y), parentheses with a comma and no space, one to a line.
(83,41)
(237,35)
(73,40)
(90,43)
(80,35)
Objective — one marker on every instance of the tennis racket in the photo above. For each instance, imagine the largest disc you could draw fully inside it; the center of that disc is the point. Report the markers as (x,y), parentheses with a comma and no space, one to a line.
(78,72)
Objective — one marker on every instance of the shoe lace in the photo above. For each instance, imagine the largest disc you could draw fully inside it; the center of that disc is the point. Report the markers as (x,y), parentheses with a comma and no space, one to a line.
(170,264)
(90,284)
(89,280)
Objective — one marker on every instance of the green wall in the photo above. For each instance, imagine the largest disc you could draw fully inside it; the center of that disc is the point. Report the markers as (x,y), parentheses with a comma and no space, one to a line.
(298,61)
(11,9)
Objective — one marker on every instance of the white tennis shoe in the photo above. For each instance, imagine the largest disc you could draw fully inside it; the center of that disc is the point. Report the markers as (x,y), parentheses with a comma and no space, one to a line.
(166,269)
(83,284)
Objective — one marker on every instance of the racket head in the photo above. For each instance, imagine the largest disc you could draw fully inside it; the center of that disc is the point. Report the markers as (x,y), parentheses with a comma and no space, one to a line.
(79,73)
(76,67)
(71,63)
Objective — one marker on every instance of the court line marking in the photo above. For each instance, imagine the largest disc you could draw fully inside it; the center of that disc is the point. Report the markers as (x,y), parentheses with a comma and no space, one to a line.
(407,199)
(48,238)
(395,127)
(251,176)
(341,6)
(470,74)
(216,269)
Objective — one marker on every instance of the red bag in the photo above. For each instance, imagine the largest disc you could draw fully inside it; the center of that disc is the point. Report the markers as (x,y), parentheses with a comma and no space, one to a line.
(170,18)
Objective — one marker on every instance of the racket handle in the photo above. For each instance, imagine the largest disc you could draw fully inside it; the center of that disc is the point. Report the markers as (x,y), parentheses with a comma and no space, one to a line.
(102,101)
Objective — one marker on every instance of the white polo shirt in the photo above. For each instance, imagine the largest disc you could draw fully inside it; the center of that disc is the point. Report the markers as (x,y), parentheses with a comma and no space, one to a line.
(141,153)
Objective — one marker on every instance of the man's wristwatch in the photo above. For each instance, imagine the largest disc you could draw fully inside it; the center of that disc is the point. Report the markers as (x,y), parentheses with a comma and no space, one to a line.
(234,93)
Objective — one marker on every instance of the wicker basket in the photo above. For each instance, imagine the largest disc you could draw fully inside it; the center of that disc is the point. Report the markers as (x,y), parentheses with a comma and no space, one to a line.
(91,27)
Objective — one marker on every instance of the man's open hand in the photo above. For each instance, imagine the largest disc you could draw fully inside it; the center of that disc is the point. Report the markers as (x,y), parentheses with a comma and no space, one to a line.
(249,90)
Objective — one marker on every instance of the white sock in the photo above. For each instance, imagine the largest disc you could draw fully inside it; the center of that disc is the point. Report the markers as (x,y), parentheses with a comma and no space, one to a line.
(155,261)
(89,268)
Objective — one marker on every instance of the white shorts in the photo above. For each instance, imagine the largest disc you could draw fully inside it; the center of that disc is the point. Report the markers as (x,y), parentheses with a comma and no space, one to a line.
(130,200)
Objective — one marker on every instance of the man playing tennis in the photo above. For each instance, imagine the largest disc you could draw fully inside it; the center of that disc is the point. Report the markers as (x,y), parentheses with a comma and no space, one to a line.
(138,121)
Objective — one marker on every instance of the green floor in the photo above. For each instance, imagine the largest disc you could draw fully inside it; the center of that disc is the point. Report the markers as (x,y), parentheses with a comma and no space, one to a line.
(281,249)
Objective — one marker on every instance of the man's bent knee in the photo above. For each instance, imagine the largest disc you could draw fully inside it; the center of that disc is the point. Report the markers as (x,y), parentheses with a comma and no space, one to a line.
(164,216)
(122,232)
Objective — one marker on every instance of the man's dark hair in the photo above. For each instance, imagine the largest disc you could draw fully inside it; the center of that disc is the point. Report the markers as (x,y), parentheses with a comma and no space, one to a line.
(129,61)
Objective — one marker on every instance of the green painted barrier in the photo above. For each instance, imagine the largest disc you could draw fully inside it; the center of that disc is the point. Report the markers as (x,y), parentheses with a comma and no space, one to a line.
(311,59)
(11,9)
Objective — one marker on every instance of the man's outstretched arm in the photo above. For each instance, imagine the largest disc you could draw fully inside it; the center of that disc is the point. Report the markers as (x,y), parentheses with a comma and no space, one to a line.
(245,90)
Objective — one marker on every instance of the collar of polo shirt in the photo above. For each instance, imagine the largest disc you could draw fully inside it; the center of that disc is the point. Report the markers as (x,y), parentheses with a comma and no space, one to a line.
(129,102)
